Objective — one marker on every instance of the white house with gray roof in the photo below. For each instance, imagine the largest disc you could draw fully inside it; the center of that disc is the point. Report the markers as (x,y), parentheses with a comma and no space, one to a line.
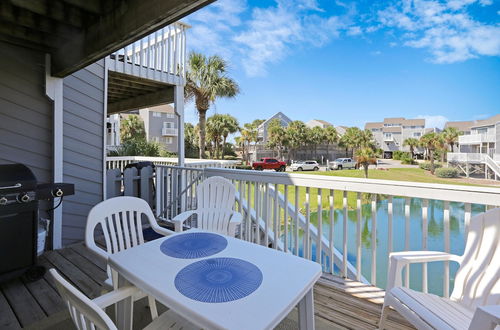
(391,133)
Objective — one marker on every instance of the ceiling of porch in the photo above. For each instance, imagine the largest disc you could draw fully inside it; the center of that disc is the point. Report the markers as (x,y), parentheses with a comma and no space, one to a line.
(127,92)
(79,32)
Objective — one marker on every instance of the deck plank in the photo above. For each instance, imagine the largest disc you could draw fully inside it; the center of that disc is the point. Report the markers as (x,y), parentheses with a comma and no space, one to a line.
(23,304)
(8,319)
(81,280)
(82,250)
(46,296)
(84,265)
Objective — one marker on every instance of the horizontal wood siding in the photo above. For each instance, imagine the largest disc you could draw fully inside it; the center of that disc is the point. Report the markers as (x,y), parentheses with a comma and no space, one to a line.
(25,111)
(83,146)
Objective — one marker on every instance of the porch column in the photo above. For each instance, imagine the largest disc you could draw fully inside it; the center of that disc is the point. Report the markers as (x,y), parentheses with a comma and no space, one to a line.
(179,110)
(54,90)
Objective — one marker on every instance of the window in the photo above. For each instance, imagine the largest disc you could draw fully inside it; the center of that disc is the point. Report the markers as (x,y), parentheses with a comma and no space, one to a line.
(417,134)
(167,124)
(170,115)
(388,136)
(169,140)
(156,114)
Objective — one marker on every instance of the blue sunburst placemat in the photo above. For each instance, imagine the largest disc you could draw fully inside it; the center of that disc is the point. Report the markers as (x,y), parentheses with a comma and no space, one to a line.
(193,245)
(218,280)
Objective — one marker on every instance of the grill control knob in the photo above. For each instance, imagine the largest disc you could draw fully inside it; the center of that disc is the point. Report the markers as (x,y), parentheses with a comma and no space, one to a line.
(3,201)
(58,193)
(24,198)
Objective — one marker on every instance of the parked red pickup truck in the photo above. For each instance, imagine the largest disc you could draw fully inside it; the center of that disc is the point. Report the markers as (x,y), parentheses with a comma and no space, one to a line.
(269,164)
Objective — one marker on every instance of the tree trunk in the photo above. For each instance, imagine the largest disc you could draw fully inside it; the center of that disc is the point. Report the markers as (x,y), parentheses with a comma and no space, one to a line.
(366,169)
(202,117)
(224,137)
(451,146)
(431,155)
(346,152)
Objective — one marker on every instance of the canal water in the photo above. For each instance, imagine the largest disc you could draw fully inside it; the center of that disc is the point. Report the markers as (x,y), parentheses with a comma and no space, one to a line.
(435,238)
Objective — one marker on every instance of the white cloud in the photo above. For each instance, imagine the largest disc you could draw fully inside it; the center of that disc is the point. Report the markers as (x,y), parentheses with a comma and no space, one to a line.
(354,31)
(446,30)
(376,53)
(273,31)
(434,121)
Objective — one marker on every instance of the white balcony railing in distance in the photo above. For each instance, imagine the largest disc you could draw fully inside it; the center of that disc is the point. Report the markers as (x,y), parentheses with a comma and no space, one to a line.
(120,162)
(166,131)
(476,138)
(160,56)
(353,222)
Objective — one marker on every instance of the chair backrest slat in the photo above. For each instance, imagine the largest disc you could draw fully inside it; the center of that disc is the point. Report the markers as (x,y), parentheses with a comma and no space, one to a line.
(477,282)
(86,315)
(215,202)
(120,219)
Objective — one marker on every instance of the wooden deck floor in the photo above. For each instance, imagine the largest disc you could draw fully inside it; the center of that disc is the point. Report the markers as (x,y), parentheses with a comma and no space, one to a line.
(339,303)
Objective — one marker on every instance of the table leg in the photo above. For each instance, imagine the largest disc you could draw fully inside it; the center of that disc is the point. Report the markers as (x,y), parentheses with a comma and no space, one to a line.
(124,308)
(306,311)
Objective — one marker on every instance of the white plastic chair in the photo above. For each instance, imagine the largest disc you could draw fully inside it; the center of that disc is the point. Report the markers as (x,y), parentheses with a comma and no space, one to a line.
(475,301)
(121,223)
(215,201)
(89,314)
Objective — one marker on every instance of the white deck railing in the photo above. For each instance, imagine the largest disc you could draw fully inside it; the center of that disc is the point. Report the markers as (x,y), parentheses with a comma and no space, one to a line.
(160,56)
(277,213)
(476,138)
(123,161)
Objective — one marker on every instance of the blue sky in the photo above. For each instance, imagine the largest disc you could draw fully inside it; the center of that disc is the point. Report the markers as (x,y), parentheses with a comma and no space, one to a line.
(355,61)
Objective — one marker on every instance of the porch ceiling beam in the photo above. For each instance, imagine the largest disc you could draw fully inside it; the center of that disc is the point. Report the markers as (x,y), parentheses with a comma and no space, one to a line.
(55,10)
(142,101)
(129,21)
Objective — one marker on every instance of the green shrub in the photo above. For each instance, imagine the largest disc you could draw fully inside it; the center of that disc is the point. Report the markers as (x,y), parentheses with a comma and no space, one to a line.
(243,167)
(407,160)
(227,157)
(400,155)
(447,172)
(427,166)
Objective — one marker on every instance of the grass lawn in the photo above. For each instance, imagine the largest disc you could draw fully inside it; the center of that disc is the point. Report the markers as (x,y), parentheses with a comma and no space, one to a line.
(398,174)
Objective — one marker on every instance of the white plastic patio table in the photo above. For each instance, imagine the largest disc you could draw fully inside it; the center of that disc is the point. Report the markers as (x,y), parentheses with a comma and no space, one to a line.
(287,281)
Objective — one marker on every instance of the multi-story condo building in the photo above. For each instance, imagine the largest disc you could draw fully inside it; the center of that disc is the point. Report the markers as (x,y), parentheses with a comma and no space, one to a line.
(160,124)
(390,134)
(483,136)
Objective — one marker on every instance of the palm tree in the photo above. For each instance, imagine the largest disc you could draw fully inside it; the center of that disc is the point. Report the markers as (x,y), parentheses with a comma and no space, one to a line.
(215,130)
(365,156)
(412,143)
(276,137)
(430,141)
(207,80)
(296,135)
(450,135)
(349,139)
(230,126)
(331,136)
(316,136)
(132,128)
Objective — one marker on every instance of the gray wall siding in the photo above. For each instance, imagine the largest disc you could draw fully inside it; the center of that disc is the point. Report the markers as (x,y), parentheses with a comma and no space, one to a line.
(83,147)
(25,111)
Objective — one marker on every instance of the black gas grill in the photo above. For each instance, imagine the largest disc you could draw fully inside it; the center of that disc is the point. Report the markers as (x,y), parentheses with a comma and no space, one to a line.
(19,196)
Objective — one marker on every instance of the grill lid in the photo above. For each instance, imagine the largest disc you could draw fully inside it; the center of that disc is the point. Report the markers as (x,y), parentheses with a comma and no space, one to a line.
(16,177)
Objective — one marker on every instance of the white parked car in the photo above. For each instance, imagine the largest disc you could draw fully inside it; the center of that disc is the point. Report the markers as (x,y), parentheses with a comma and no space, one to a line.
(342,163)
(307,165)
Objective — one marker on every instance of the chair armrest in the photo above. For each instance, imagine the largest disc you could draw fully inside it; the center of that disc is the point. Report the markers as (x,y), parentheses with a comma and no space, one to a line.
(181,218)
(399,260)
(115,296)
(236,219)
(160,230)
(486,317)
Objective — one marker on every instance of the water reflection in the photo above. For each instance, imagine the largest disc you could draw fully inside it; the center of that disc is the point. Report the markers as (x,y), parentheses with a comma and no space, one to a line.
(435,241)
